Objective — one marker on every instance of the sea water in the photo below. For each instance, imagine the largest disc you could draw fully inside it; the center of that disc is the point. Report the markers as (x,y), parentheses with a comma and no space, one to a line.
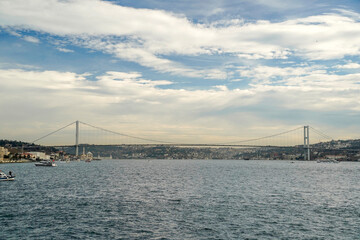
(181,199)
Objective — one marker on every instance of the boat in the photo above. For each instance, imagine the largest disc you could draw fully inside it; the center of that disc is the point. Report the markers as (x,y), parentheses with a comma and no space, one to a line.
(98,158)
(327,160)
(9,177)
(45,163)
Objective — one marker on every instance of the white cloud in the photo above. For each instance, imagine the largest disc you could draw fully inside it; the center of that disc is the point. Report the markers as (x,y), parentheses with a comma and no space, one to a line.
(31,39)
(14,33)
(46,80)
(305,79)
(150,109)
(151,37)
(350,65)
(64,50)
(267,74)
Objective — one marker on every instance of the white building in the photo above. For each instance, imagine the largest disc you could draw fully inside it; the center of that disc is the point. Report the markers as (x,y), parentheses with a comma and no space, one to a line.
(40,155)
(89,156)
(3,152)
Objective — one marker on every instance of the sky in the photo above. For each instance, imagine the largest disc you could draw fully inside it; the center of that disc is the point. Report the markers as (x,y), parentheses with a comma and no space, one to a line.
(185,71)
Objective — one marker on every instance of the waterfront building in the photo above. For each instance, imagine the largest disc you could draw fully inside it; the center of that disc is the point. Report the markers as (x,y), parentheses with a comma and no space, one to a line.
(3,152)
(89,156)
(40,155)
(83,155)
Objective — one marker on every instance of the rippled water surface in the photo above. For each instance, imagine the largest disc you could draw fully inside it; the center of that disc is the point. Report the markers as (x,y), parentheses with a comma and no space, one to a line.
(181,199)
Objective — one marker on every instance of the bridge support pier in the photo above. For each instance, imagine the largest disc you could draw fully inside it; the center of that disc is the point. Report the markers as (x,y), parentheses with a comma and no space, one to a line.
(77,139)
(306,143)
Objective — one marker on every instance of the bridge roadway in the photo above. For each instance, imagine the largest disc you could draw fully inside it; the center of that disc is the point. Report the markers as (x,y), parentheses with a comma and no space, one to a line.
(182,145)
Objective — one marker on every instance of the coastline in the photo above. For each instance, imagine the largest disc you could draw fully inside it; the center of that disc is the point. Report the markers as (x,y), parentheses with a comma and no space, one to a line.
(16,161)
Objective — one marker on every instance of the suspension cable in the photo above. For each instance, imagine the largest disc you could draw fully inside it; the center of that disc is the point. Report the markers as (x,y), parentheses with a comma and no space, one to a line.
(321,133)
(166,142)
(255,139)
(53,132)
(126,135)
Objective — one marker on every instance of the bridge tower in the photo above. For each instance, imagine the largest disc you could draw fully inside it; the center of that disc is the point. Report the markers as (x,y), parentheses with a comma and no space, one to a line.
(77,139)
(306,143)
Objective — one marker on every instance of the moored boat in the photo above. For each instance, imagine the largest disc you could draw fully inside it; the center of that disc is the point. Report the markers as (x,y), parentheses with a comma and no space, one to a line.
(9,177)
(46,163)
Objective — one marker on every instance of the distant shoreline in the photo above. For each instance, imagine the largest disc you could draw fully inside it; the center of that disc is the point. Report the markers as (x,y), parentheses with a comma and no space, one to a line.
(16,161)
(29,161)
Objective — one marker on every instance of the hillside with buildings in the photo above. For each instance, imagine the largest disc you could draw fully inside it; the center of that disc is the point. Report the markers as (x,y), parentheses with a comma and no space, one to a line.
(342,150)
(345,150)
(18,151)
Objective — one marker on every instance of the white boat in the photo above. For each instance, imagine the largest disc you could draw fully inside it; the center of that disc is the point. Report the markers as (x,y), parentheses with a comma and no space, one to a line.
(45,163)
(4,177)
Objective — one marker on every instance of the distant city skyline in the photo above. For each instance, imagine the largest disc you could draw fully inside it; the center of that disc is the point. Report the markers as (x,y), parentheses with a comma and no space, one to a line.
(210,70)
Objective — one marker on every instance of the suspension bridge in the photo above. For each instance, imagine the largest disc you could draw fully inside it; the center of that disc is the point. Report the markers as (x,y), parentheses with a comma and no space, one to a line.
(84,133)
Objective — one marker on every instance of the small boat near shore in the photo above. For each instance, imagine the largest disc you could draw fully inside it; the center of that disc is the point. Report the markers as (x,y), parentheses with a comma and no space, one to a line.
(9,177)
(46,163)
